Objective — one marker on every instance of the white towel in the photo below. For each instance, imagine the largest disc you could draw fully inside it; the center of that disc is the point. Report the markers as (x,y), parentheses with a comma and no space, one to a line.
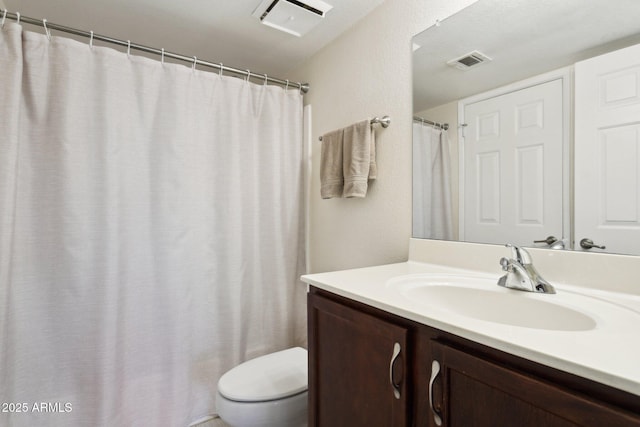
(331,161)
(359,159)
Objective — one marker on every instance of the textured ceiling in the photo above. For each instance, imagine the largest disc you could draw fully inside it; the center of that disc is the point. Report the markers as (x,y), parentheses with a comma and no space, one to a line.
(523,37)
(213,30)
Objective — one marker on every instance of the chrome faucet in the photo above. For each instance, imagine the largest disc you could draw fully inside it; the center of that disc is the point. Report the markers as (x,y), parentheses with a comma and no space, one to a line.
(521,274)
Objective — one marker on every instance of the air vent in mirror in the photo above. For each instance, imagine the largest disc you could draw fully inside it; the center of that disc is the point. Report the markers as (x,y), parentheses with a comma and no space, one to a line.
(469,60)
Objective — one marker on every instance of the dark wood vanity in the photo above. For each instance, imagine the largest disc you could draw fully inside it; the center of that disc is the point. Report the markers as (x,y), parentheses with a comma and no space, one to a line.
(358,376)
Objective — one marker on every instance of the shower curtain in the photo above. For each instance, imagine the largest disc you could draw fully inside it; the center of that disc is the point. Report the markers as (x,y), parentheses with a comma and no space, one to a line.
(431,183)
(151,233)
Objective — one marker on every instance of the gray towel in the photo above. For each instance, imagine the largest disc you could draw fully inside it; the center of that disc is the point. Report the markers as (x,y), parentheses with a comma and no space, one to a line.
(359,158)
(331,161)
(373,166)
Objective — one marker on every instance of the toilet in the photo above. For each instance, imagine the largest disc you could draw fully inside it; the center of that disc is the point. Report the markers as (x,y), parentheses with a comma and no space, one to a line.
(268,391)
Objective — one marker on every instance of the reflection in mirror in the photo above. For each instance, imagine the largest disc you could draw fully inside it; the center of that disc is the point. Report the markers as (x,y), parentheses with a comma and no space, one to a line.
(432,215)
(501,75)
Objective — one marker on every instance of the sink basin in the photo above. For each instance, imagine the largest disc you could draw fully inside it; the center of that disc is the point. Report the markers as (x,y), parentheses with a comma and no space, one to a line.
(481,298)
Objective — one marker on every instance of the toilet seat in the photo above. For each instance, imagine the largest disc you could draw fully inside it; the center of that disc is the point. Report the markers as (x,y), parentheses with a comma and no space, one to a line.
(270,377)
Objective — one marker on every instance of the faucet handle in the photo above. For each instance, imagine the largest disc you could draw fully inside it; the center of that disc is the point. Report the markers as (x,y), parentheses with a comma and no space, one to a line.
(519,254)
(521,274)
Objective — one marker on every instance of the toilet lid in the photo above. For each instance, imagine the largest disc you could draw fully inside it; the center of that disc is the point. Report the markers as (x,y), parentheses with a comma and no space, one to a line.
(270,377)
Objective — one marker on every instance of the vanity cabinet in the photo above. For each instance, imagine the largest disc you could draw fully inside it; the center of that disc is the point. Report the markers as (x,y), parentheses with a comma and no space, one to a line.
(358,367)
(354,374)
(478,392)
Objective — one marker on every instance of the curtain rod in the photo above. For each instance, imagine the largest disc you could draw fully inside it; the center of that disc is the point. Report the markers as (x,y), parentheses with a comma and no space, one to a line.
(48,26)
(443,126)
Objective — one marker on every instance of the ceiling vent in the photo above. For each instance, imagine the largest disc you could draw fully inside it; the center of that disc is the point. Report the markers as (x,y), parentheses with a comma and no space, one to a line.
(292,16)
(471,59)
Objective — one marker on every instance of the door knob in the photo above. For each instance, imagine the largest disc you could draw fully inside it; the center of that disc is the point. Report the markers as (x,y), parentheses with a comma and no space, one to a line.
(549,240)
(588,244)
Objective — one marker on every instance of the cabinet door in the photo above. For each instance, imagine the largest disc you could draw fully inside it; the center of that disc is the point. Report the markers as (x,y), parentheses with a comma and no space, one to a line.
(479,393)
(357,368)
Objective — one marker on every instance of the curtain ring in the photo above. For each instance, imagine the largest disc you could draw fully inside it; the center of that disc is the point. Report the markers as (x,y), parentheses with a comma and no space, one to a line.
(91,40)
(17,17)
(286,88)
(128,47)
(195,61)
(46,30)
(265,80)
(220,70)
(4,18)
(248,76)
(162,56)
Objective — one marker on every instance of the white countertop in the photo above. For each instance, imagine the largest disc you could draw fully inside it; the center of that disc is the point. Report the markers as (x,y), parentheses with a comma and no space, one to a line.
(608,353)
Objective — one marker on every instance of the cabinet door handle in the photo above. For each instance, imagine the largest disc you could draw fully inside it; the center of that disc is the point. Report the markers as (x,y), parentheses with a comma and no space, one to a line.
(394,356)
(435,370)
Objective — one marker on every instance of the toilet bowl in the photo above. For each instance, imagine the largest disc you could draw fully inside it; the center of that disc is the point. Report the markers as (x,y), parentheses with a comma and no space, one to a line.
(269,391)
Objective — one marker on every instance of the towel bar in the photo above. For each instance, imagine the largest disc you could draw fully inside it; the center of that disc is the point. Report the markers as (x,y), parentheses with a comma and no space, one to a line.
(385,121)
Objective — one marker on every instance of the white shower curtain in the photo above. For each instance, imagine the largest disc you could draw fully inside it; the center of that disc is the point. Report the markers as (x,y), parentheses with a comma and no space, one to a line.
(151,233)
(431,183)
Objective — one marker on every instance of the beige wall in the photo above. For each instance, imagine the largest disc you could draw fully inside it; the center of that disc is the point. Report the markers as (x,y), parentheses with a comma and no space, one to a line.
(366,72)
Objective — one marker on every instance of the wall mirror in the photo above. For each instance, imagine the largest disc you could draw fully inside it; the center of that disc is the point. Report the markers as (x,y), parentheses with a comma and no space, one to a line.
(522,88)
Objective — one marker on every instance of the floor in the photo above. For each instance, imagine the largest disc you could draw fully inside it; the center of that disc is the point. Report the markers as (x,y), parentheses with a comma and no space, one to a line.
(216,422)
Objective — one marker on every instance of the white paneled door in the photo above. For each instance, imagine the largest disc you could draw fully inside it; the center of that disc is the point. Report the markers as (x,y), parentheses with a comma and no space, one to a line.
(607,151)
(513,166)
